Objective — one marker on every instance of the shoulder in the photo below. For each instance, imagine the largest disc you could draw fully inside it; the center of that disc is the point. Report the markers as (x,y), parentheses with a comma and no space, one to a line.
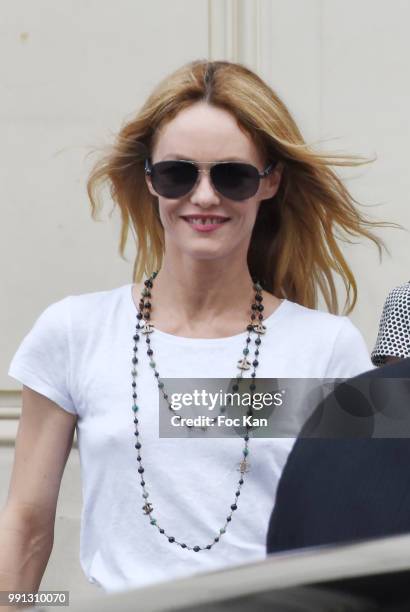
(397,296)
(95,299)
(332,340)
(318,321)
(83,312)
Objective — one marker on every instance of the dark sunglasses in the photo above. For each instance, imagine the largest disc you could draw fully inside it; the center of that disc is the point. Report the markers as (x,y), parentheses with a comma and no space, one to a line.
(233,180)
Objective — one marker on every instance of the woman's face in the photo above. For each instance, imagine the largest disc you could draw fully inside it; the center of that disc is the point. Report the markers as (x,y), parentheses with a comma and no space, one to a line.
(203,133)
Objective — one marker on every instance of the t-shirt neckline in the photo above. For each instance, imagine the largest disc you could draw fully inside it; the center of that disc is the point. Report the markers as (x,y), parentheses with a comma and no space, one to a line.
(172,338)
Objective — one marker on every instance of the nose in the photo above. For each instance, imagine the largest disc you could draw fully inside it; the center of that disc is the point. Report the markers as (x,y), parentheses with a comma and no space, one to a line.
(204,193)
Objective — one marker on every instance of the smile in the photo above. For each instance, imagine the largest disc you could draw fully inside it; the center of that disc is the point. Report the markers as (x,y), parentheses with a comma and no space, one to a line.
(205,224)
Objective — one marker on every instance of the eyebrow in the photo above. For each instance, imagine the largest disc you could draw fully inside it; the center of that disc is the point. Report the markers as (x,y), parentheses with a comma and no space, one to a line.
(179,156)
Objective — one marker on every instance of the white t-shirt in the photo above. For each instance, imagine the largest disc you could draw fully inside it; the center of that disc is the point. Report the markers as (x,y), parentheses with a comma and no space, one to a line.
(79,354)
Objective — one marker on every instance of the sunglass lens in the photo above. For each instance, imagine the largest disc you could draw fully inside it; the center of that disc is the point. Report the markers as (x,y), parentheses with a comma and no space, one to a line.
(173,179)
(235,181)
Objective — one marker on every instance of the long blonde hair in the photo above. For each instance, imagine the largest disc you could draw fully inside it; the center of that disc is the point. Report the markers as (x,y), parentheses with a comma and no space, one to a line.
(293,250)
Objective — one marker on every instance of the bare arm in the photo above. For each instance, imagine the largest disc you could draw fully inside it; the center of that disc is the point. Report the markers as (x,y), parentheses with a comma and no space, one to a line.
(43,443)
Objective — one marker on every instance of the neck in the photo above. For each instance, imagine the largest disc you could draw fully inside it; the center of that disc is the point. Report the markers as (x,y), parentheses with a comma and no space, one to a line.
(198,292)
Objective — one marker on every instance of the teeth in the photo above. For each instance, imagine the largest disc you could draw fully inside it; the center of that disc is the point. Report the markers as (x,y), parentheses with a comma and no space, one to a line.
(208,221)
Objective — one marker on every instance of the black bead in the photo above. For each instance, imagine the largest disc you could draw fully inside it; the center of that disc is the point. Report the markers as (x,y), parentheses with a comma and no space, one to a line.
(255,363)
(134,395)
(171,539)
(254,306)
(209,547)
(147,305)
(138,445)
(139,458)
(196,548)
(258,341)
(136,337)
(252,387)
(253,317)
(249,327)
(253,374)
(150,352)
(183,545)
(235,387)
(156,374)
(256,352)
(228,518)
(260,317)
(261,308)
(162,530)
(134,384)
(142,483)
(234,507)
(248,340)
(258,297)
(134,360)
(141,470)
(216,539)
(147,340)
(237,494)
(136,421)
(146,315)
(148,283)
(139,316)
(241,481)
(246,438)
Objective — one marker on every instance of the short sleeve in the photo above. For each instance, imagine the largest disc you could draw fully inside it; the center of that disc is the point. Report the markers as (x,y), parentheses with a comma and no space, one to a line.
(42,361)
(350,355)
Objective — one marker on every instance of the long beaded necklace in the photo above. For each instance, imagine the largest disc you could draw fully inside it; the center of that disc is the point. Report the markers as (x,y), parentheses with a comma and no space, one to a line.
(147,328)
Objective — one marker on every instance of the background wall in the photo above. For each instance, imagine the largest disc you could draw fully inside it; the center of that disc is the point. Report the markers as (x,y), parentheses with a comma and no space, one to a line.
(76,70)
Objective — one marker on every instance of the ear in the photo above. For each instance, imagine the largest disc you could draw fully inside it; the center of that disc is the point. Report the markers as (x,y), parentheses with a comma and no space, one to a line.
(149,185)
(270,184)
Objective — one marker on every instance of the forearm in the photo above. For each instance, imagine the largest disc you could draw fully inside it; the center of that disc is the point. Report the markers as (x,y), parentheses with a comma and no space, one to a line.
(24,553)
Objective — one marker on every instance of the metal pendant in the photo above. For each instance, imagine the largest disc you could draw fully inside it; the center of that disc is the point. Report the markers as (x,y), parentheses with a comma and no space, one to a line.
(148,328)
(259,328)
(244,467)
(244,364)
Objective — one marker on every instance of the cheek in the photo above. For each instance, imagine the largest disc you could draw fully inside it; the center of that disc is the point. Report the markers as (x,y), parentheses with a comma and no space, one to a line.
(247,212)
(168,211)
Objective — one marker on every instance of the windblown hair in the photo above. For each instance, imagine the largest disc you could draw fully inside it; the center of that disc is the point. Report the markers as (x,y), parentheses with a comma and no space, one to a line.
(293,250)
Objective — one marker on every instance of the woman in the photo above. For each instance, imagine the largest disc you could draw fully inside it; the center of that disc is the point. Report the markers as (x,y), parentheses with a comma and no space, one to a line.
(235,218)
(393,339)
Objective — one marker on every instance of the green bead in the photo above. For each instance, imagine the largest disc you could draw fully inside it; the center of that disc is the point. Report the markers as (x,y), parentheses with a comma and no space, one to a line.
(160,385)
(246,451)
(135,408)
(152,364)
(145,495)
(245,351)
(153,521)
(222,530)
